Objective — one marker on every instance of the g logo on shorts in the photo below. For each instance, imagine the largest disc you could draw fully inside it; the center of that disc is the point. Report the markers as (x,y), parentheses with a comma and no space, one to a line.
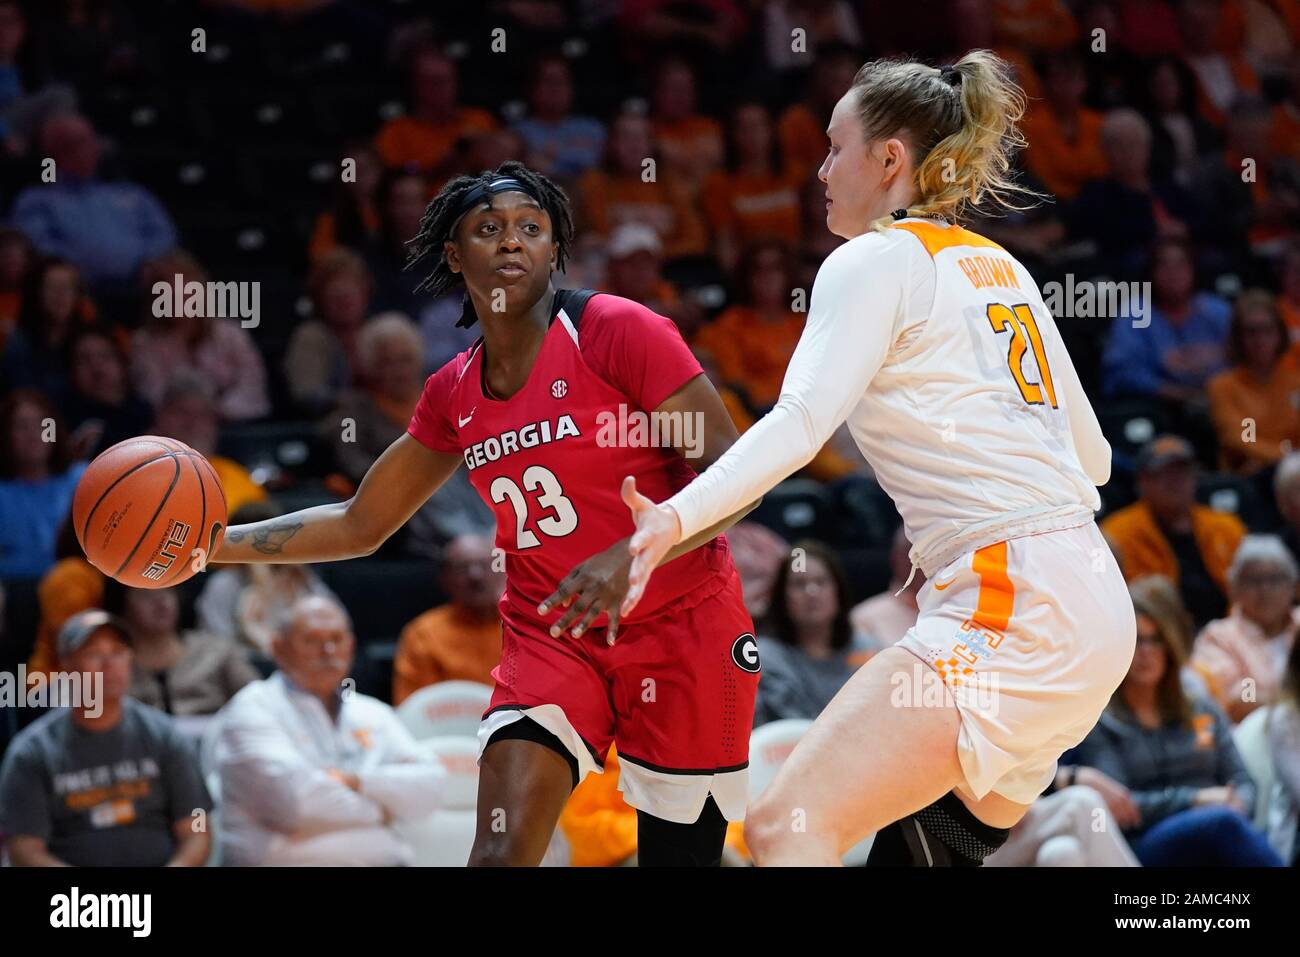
(744,652)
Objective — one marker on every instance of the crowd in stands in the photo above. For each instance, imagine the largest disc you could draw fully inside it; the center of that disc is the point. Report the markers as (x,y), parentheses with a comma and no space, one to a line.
(295,145)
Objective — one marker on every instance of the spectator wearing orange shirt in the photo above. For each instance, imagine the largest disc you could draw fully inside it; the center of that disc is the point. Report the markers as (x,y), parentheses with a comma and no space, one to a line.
(426,136)
(1254,402)
(754,197)
(461,640)
(1221,75)
(691,144)
(1249,196)
(1064,136)
(1165,532)
(752,341)
(71,585)
(353,219)
(622,192)
(1037,25)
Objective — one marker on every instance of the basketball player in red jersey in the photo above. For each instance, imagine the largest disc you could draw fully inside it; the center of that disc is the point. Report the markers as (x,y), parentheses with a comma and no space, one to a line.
(532,411)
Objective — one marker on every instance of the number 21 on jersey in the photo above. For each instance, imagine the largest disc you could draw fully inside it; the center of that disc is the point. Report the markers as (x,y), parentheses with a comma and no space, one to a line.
(1020,321)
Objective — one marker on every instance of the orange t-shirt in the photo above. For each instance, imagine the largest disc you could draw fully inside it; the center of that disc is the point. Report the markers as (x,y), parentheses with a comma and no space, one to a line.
(1274,406)
(1142,549)
(1064,164)
(324,235)
(236,482)
(608,200)
(755,207)
(446,643)
(71,586)
(1285,133)
(1033,24)
(693,146)
(751,351)
(803,142)
(406,139)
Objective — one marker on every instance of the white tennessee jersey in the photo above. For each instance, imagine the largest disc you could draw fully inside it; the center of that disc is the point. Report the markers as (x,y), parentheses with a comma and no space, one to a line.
(935,345)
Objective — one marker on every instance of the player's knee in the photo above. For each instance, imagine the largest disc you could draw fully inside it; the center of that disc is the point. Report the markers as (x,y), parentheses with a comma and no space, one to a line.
(1063,850)
(770,829)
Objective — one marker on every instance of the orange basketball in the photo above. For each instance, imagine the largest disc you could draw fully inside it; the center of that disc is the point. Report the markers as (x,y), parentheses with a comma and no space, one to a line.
(149,512)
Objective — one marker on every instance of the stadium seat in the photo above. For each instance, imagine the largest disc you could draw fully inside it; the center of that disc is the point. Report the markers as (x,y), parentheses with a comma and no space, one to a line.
(445,709)
(407,589)
(444,838)
(373,668)
(294,447)
(867,571)
(1225,492)
(795,509)
(866,515)
(22,615)
(306,495)
(1251,739)
(769,746)
(1128,424)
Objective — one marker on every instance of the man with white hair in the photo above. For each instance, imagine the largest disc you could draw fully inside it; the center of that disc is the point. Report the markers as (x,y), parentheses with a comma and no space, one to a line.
(311,772)
(1242,657)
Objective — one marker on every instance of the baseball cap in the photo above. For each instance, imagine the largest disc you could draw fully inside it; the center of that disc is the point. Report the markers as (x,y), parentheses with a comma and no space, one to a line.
(1164,450)
(76,631)
(634,238)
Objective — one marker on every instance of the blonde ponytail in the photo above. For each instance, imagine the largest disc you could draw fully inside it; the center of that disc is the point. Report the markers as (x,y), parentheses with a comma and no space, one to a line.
(961,122)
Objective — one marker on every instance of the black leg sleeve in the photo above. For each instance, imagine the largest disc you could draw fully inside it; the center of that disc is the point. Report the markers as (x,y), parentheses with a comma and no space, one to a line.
(662,843)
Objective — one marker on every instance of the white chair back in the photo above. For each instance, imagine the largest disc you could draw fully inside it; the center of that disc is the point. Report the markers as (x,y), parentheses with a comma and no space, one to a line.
(459,755)
(769,746)
(444,709)
(1251,739)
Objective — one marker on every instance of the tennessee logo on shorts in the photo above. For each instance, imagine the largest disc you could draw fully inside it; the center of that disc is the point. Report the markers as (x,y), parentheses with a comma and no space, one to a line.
(744,652)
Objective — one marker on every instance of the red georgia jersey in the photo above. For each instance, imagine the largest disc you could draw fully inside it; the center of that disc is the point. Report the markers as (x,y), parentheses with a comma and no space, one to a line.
(550,460)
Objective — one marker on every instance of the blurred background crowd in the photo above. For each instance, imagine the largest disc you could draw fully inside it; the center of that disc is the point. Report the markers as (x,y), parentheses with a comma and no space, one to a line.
(295,143)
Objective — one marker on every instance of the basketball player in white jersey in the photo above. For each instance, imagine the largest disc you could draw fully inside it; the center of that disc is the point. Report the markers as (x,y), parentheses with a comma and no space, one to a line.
(936,347)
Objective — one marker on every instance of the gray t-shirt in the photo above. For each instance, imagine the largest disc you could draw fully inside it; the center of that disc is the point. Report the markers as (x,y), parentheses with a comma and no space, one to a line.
(793,685)
(102,798)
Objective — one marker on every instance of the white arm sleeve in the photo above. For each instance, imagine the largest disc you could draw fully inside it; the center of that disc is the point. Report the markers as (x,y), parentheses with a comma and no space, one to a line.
(853,315)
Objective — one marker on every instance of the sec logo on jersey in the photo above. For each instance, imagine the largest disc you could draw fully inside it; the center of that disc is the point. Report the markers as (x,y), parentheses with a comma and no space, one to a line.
(559,388)
(744,652)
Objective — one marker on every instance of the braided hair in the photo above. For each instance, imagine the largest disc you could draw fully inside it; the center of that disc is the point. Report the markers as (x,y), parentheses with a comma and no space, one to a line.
(444,210)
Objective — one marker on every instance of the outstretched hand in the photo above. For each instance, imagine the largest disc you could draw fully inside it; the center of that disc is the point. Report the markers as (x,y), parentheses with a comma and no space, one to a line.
(658,529)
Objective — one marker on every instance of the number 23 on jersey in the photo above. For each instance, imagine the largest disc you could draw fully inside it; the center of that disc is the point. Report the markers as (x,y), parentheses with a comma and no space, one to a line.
(536,477)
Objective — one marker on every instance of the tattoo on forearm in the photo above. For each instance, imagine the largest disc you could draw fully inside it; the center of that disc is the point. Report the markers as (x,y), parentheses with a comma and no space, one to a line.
(270,540)
(233,536)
